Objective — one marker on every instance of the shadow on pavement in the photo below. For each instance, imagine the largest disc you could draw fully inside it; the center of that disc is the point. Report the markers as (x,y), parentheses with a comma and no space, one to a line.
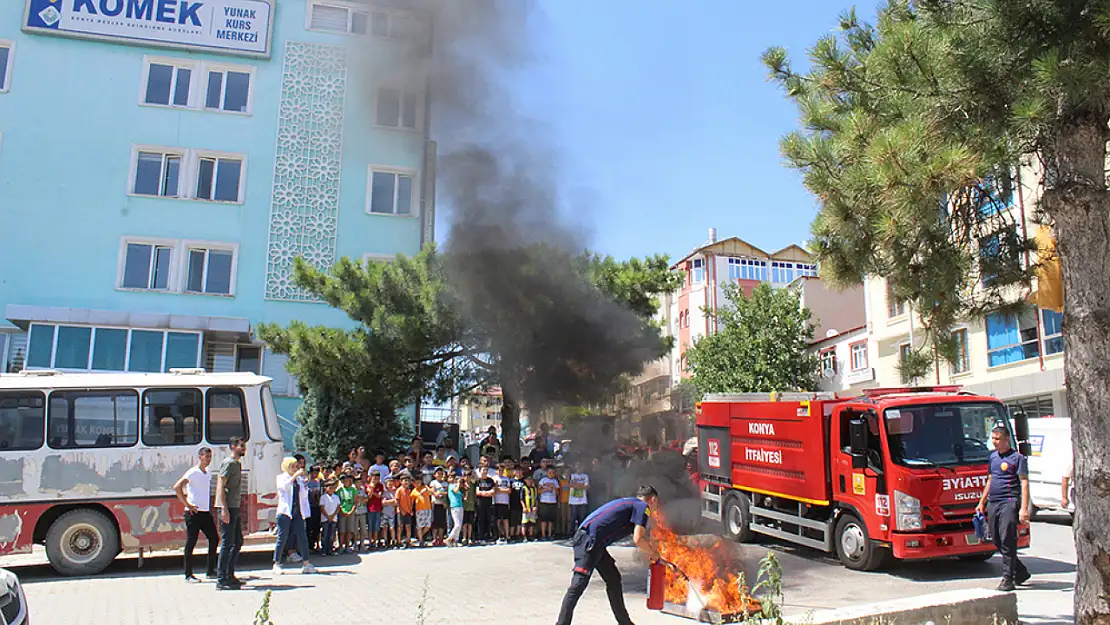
(940,570)
(275,587)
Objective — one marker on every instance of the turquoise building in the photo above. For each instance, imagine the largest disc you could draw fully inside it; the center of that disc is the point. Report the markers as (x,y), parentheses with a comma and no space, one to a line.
(162,162)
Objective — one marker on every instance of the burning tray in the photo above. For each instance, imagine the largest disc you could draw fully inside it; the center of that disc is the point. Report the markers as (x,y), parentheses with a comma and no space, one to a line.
(704,615)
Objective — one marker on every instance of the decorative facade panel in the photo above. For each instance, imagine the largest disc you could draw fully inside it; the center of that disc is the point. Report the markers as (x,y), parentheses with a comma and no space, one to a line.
(304,208)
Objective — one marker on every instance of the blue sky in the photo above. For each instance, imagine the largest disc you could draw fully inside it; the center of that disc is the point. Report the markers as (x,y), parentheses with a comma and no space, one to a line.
(664,122)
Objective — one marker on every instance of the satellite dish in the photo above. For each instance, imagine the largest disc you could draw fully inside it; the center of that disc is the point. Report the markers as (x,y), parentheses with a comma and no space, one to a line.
(829,373)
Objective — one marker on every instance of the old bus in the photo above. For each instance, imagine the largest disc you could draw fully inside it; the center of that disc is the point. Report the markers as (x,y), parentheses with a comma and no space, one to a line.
(88,460)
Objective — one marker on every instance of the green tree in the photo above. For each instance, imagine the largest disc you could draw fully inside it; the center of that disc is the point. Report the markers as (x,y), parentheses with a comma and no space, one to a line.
(416,336)
(912,133)
(760,345)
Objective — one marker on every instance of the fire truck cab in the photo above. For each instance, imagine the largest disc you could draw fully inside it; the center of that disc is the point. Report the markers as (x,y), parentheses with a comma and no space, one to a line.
(891,473)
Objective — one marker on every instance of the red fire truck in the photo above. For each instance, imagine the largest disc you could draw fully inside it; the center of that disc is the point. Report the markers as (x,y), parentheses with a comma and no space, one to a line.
(891,473)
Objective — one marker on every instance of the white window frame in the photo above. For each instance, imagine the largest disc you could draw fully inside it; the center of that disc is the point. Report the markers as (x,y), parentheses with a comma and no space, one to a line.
(852,355)
(351,9)
(192,66)
(198,83)
(164,151)
(205,68)
(188,176)
(7,84)
(828,354)
(418,93)
(121,265)
(696,265)
(371,257)
(179,263)
(190,246)
(199,155)
(966,361)
(391,13)
(414,210)
(126,350)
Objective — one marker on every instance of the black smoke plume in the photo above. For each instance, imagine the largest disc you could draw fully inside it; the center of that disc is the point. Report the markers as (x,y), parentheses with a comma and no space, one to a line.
(514,261)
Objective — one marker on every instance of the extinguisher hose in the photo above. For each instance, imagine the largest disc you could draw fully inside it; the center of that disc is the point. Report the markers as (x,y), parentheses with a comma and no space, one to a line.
(689,582)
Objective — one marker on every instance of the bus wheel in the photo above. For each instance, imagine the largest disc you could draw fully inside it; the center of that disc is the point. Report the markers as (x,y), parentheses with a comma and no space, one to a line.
(81,542)
(854,547)
(737,518)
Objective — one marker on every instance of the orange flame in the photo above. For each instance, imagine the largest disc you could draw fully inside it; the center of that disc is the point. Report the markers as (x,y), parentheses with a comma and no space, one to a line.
(717,586)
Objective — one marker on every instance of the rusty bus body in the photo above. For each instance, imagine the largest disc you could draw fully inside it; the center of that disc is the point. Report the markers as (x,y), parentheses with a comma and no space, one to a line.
(88,461)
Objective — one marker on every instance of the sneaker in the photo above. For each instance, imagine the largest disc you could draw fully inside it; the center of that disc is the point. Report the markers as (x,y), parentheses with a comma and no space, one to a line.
(308,569)
(501,541)
(227,587)
(1006,585)
(295,557)
(277,570)
(192,579)
(211,576)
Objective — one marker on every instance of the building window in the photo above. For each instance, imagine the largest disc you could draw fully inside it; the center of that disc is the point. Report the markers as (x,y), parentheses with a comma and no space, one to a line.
(228,89)
(998,256)
(747,269)
(93,348)
(7,50)
(248,358)
(167,83)
(336,18)
(171,416)
(1011,337)
(962,364)
(395,25)
(188,174)
(784,273)
(697,271)
(179,83)
(1053,331)
(22,420)
(157,173)
(859,356)
(391,192)
(146,266)
(218,179)
(210,271)
(397,108)
(1037,407)
(77,419)
(894,307)
(904,351)
(828,361)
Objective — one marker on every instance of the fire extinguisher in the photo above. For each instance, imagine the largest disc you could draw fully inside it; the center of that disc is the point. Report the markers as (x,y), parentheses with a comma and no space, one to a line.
(657,584)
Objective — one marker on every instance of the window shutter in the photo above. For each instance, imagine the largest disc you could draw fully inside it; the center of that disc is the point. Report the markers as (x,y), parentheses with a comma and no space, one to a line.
(219,357)
(329,18)
(273,366)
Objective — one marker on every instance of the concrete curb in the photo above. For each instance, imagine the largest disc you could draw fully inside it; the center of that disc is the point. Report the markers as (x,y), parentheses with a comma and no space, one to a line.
(972,606)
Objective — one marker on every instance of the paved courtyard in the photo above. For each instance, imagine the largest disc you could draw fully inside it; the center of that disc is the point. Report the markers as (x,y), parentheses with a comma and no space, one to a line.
(498,584)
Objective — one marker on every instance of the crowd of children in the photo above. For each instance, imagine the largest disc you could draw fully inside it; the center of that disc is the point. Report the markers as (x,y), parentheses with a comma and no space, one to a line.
(440,500)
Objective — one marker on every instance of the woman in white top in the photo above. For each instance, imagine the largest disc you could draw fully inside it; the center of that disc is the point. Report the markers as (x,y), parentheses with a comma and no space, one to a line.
(292,510)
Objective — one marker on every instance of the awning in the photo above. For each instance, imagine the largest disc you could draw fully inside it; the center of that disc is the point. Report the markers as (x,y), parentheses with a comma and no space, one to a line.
(224,328)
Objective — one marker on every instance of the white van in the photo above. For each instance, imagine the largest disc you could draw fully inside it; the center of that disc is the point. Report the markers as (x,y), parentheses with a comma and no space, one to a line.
(1050,458)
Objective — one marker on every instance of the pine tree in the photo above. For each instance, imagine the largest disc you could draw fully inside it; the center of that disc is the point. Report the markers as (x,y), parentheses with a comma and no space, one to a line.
(911,131)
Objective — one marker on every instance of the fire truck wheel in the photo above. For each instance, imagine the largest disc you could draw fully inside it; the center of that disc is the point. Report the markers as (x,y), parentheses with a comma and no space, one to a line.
(854,547)
(737,518)
(81,542)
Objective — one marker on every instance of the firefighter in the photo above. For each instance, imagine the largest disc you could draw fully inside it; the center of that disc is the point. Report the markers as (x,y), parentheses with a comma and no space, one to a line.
(1007,491)
(608,524)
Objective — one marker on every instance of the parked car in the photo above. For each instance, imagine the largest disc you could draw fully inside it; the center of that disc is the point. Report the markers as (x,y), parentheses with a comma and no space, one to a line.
(13,603)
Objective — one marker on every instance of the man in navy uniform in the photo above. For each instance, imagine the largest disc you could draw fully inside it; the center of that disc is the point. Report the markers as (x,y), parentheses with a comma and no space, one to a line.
(1007,492)
(608,524)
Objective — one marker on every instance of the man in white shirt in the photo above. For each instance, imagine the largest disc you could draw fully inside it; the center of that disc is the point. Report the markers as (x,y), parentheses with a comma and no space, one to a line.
(194,490)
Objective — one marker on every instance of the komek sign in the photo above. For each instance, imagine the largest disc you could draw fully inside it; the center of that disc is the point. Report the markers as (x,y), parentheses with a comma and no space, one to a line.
(232,26)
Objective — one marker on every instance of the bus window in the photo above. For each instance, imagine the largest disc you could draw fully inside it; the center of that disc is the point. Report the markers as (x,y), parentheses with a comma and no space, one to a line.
(93,419)
(171,416)
(270,415)
(22,416)
(227,415)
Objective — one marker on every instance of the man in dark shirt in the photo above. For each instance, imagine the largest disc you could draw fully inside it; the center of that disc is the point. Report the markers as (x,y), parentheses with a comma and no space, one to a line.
(608,524)
(229,482)
(1007,492)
